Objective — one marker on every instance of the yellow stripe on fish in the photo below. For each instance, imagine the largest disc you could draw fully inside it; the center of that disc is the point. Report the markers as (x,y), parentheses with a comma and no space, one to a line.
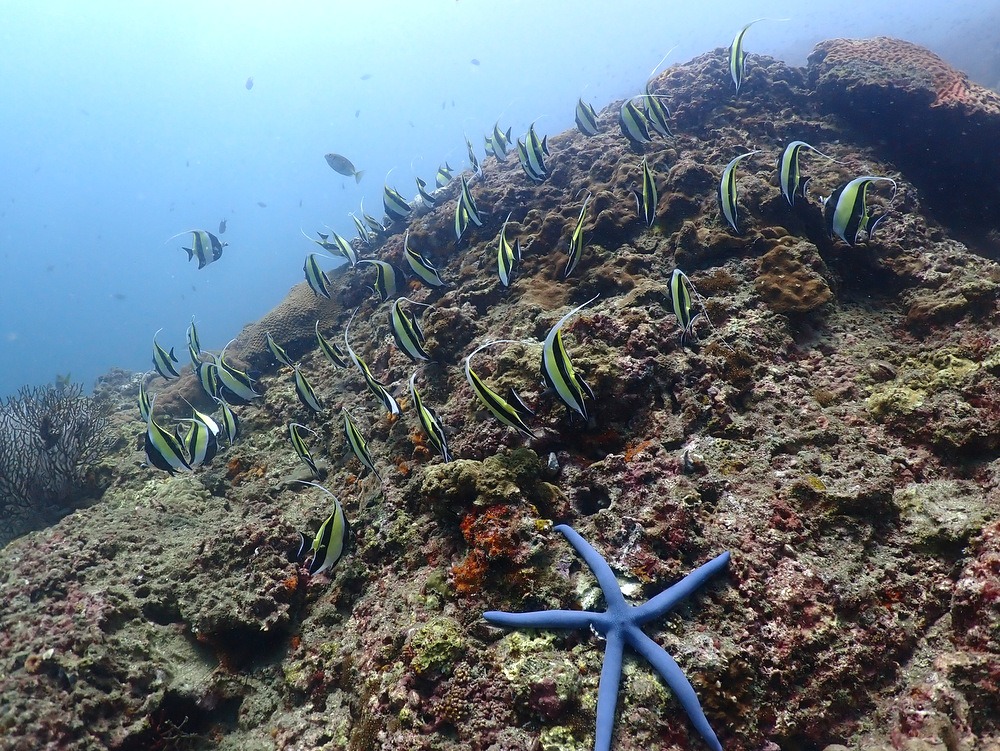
(557,368)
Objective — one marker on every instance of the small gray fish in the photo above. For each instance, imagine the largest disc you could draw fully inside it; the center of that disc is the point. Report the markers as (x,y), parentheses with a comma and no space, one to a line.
(474,61)
(249,83)
(366,76)
(222,227)
(341,164)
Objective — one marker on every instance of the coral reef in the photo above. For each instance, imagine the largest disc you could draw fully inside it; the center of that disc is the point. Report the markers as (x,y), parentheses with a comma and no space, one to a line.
(833,424)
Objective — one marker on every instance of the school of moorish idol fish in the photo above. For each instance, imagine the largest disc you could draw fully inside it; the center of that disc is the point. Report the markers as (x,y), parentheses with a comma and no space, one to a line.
(195,440)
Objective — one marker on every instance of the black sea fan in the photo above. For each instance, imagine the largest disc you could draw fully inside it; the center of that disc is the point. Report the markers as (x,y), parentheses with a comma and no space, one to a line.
(50,441)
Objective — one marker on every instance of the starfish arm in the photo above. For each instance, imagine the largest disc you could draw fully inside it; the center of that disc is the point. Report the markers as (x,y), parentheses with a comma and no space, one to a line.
(541,618)
(602,571)
(607,690)
(679,684)
(669,597)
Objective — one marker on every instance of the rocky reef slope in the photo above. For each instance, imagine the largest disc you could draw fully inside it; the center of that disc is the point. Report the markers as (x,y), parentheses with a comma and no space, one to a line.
(838,432)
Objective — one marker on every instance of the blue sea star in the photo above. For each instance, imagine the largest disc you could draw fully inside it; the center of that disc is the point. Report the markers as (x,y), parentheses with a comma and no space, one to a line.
(619,624)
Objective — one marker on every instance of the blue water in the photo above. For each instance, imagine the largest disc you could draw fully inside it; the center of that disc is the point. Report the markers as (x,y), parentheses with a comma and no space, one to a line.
(125,123)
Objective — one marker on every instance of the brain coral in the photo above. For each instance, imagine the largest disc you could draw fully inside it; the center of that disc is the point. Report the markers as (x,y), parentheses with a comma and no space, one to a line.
(790,278)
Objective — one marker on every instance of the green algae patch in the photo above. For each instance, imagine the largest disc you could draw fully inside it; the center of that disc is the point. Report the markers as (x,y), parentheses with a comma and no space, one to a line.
(560,738)
(506,478)
(436,645)
(891,399)
(941,513)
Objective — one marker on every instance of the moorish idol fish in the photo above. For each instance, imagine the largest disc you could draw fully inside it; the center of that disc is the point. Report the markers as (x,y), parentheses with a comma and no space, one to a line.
(200,442)
(536,151)
(363,234)
(511,415)
(299,444)
(576,241)
(738,58)
(317,279)
(331,350)
(332,538)
(846,213)
(443,176)
(507,257)
(163,450)
(145,404)
(421,266)
(208,377)
(194,343)
(647,209)
(727,190)
(343,165)
(789,176)
(336,246)
(430,423)
(389,280)
(406,331)
(396,207)
(238,382)
(428,199)
(500,141)
(358,444)
(470,204)
(277,350)
(681,291)
(163,360)
(376,387)
(205,246)
(373,224)
(230,422)
(305,392)
(466,210)
(634,124)
(656,112)
(473,161)
(586,118)
(210,423)
(558,371)
(522,157)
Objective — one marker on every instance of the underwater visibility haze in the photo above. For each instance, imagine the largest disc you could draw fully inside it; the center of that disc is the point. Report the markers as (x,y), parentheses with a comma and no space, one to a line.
(125,124)
(651,400)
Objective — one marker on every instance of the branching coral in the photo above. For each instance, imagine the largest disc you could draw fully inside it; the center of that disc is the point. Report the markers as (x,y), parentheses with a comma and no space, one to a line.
(50,439)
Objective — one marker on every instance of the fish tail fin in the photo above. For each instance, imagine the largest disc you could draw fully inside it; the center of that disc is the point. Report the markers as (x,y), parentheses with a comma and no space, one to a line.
(358,175)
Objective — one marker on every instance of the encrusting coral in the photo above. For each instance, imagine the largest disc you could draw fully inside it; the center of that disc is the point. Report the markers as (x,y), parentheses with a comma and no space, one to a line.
(834,428)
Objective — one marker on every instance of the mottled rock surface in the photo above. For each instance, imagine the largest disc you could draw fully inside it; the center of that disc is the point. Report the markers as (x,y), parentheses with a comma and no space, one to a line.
(834,426)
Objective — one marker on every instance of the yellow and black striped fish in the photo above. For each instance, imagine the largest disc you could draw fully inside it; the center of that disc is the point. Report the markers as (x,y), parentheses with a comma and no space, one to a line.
(358,444)
(507,256)
(586,118)
(727,190)
(238,382)
(396,207)
(374,385)
(305,392)
(389,280)
(332,351)
(163,450)
(511,415)
(332,539)
(557,368)
(163,361)
(298,443)
(406,331)
(318,281)
(634,124)
(681,298)
(277,351)
(576,244)
(420,265)
(429,422)
(647,209)
(846,211)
